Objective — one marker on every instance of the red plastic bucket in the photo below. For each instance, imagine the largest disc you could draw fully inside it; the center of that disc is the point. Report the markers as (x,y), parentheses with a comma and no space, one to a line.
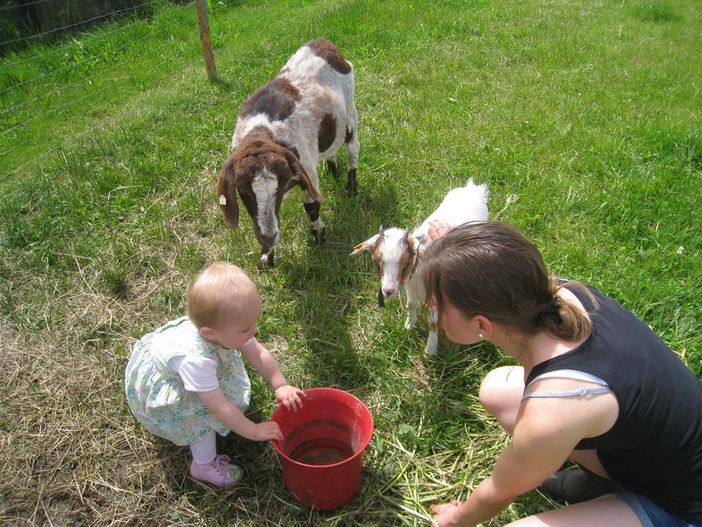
(322,447)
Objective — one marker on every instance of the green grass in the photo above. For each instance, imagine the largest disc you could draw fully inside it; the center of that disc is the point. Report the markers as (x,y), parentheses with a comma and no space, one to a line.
(110,145)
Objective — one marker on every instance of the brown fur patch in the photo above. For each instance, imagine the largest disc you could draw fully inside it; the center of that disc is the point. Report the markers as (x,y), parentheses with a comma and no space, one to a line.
(377,256)
(327,132)
(332,56)
(406,263)
(276,99)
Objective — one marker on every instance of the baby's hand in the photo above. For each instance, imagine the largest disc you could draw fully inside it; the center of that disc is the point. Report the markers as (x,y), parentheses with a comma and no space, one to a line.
(290,397)
(268,430)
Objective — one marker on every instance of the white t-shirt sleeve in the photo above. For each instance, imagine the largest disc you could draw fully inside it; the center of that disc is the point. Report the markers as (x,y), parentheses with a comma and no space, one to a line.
(199,374)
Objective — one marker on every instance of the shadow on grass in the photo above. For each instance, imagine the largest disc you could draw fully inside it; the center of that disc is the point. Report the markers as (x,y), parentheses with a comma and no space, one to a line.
(325,283)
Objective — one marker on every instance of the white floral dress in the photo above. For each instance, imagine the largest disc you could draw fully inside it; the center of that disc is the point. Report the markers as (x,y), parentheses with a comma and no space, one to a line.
(156,394)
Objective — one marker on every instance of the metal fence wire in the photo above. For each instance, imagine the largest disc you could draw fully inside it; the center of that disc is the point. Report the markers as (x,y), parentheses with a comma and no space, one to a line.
(22,21)
(64,62)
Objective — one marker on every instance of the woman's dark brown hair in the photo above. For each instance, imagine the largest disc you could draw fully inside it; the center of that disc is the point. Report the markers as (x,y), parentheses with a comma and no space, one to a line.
(491,269)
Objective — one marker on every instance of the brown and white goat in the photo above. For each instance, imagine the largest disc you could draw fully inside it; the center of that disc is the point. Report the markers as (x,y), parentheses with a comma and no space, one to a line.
(301,116)
(397,252)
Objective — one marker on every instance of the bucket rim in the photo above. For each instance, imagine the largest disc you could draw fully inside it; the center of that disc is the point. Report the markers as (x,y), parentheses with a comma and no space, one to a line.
(363,446)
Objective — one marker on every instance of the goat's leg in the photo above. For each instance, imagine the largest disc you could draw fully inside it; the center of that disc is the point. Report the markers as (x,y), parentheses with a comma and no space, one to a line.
(433,337)
(411,319)
(266,260)
(353,147)
(316,223)
(432,343)
(312,206)
(412,301)
(333,167)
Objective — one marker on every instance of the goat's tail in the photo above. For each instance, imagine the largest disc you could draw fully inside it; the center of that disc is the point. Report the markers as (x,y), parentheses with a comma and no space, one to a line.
(482,188)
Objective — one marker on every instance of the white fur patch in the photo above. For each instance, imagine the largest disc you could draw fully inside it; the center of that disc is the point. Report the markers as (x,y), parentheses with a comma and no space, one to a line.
(317,225)
(265,187)
(462,204)
(392,248)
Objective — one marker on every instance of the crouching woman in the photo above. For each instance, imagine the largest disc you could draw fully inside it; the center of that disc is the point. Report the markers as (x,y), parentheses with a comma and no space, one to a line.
(595,386)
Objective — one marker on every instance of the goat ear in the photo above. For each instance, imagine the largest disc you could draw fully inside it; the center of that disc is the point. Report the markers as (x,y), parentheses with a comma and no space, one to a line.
(301,177)
(413,243)
(364,246)
(417,246)
(226,194)
(380,232)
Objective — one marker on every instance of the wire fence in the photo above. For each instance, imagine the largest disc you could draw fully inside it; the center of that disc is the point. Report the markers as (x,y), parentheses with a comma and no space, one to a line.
(87,58)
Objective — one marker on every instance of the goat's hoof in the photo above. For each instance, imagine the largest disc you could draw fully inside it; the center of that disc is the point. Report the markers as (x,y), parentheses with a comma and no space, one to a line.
(409,323)
(430,350)
(319,236)
(266,261)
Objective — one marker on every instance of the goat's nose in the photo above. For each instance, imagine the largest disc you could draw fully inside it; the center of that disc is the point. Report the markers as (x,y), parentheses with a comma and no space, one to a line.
(389,291)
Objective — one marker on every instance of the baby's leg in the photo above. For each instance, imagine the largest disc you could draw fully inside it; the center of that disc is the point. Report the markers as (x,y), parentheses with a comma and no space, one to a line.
(210,468)
(205,450)
(501,394)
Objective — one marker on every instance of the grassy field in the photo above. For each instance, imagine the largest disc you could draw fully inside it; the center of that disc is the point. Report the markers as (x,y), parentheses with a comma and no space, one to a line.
(110,145)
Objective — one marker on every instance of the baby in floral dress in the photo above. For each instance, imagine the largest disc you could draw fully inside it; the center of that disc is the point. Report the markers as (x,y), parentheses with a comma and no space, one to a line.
(186,381)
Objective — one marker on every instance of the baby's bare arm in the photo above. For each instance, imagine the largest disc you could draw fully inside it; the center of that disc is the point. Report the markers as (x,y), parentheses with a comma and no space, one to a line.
(261,359)
(263,362)
(235,420)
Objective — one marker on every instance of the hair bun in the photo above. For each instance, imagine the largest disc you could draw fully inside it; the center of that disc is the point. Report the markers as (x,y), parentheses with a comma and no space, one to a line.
(553,306)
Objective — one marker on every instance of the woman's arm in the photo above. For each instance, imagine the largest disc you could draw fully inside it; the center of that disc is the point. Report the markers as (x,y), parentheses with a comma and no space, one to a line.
(545,434)
(235,420)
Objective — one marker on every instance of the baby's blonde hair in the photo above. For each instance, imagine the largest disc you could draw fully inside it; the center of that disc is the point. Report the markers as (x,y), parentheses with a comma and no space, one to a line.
(216,292)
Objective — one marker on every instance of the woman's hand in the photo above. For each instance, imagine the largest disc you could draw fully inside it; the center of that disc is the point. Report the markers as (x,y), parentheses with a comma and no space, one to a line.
(447,515)
(437,229)
(289,397)
(268,430)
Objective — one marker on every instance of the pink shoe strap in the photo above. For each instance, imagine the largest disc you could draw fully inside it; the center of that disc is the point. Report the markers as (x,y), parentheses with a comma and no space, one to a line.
(222,461)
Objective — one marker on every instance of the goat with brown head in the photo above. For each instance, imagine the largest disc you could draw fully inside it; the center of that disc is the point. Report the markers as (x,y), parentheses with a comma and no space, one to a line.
(301,116)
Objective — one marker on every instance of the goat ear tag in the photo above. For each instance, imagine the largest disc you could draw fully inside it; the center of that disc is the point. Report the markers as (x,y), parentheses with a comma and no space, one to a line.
(222,200)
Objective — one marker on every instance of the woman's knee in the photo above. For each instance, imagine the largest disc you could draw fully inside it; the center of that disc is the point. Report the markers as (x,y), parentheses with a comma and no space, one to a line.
(493,388)
(500,394)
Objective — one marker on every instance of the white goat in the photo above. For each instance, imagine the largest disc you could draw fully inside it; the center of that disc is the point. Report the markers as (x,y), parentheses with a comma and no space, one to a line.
(397,252)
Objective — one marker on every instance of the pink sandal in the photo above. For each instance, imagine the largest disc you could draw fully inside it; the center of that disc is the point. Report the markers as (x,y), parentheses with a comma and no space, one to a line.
(218,472)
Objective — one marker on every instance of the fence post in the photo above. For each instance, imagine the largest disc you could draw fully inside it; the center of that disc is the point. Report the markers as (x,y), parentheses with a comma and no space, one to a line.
(201,7)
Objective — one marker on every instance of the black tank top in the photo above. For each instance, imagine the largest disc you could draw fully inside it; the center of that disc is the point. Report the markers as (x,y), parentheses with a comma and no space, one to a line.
(655,446)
